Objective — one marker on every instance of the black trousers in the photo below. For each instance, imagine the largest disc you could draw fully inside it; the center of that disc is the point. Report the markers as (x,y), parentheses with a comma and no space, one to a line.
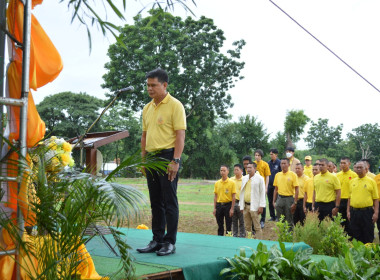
(361,224)
(343,211)
(309,206)
(299,214)
(164,203)
(223,213)
(272,212)
(324,209)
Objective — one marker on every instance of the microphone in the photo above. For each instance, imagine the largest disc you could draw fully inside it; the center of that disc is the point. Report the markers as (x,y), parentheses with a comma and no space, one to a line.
(127,89)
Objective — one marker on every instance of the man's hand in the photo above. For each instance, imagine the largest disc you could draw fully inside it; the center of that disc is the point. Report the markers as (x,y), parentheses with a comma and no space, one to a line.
(214,212)
(334,212)
(172,170)
(274,204)
(349,215)
(231,212)
(304,210)
(260,210)
(293,208)
(374,218)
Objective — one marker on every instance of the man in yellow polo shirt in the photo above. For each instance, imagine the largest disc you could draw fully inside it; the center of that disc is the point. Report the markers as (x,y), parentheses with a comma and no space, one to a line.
(286,183)
(377,180)
(326,198)
(369,173)
(308,168)
(299,214)
(309,190)
(292,160)
(345,176)
(164,125)
(224,200)
(238,228)
(363,205)
(264,170)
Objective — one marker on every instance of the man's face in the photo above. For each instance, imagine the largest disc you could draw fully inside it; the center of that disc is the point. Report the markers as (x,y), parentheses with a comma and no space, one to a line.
(289,154)
(361,169)
(238,172)
(330,167)
(273,156)
(257,157)
(155,88)
(284,165)
(245,163)
(223,171)
(299,170)
(354,167)
(307,162)
(344,165)
(251,170)
(323,167)
(315,170)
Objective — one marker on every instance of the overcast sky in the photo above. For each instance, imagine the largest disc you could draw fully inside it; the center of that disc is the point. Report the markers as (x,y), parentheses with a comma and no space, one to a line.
(285,68)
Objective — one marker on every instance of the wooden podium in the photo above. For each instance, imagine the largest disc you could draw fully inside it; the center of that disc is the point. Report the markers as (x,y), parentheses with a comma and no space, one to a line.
(92,141)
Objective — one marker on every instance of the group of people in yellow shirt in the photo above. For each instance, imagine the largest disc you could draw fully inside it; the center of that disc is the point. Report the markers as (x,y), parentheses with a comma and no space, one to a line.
(240,201)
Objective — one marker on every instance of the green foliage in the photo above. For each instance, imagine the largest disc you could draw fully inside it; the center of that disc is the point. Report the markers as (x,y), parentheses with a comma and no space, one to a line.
(279,142)
(294,124)
(245,136)
(65,204)
(321,138)
(326,238)
(68,114)
(283,230)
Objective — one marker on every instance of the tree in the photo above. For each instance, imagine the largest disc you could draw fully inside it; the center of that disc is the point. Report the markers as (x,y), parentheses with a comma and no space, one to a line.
(367,141)
(294,125)
(245,136)
(200,75)
(69,114)
(322,138)
(279,142)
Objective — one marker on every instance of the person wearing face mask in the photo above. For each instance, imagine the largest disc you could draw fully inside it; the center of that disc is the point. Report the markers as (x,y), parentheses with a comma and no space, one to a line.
(292,160)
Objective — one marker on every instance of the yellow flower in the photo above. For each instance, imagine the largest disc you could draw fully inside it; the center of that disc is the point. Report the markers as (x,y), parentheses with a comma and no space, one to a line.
(65,158)
(55,161)
(52,146)
(66,147)
(142,226)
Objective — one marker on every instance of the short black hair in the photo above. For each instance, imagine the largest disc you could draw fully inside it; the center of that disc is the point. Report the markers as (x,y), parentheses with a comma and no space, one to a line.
(247,158)
(366,160)
(238,165)
(253,163)
(226,166)
(285,159)
(290,149)
(274,151)
(346,158)
(260,152)
(316,164)
(161,75)
(325,160)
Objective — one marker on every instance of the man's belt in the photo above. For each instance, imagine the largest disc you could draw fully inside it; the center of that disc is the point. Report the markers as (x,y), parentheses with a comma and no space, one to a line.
(247,203)
(284,196)
(361,209)
(224,203)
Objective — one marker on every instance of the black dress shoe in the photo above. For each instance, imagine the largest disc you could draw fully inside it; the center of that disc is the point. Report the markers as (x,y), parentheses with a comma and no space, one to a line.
(166,249)
(153,246)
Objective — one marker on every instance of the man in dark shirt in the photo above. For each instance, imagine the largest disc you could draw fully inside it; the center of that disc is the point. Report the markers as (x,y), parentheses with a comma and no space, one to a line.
(275,167)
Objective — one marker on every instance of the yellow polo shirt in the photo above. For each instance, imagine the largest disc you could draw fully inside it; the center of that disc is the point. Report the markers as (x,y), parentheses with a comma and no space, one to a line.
(371,175)
(362,192)
(224,190)
(308,171)
(377,180)
(309,190)
(237,185)
(263,168)
(345,179)
(247,192)
(301,187)
(286,183)
(325,186)
(293,162)
(161,122)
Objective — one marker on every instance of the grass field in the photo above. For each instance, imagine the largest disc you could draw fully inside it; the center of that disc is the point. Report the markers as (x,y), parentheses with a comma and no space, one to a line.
(195,207)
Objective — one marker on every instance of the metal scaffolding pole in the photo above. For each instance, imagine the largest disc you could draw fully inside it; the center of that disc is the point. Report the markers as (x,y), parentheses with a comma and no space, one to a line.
(3,22)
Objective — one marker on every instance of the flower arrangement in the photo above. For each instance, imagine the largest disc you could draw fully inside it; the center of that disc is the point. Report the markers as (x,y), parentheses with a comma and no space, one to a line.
(142,226)
(58,154)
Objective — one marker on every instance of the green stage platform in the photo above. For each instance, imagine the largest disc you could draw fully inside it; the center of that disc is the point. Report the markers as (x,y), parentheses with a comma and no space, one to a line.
(200,256)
